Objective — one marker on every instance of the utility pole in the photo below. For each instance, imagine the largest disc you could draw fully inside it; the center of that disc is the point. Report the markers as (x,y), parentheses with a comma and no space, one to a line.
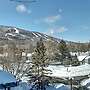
(70,79)
(71,84)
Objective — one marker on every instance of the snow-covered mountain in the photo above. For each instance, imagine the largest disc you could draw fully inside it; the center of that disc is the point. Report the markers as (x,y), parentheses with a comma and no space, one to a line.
(13,33)
(26,37)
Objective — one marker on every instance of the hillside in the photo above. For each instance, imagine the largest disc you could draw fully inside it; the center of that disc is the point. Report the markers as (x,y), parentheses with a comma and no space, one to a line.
(28,38)
(13,33)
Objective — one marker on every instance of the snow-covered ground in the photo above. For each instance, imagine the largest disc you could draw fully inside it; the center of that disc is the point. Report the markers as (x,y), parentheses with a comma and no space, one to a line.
(69,72)
(61,72)
(24,86)
(58,87)
(6,77)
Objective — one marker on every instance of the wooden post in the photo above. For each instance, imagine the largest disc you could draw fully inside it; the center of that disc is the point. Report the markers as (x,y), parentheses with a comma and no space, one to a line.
(71,84)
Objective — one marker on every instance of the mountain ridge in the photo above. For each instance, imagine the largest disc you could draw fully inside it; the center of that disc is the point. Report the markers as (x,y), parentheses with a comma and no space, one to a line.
(15,33)
(25,38)
(10,32)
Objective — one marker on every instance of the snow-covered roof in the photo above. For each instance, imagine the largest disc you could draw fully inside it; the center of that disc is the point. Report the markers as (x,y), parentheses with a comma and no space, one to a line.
(84,82)
(87,57)
(80,53)
(81,58)
(29,54)
(73,53)
(6,77)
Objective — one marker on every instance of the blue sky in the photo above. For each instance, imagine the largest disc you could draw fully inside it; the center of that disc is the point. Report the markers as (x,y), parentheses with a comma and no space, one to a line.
(69,19)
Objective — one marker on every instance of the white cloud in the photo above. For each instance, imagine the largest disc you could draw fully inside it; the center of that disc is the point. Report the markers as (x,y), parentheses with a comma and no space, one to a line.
(52,19)
(48,20)
(56,31)
(62,29)
(22,9)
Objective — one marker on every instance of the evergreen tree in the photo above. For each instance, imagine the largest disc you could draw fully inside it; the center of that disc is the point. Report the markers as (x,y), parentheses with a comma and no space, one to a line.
(51,47)
(39,59)
(65,55)
(57,57)
(89,45)
(75,61)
